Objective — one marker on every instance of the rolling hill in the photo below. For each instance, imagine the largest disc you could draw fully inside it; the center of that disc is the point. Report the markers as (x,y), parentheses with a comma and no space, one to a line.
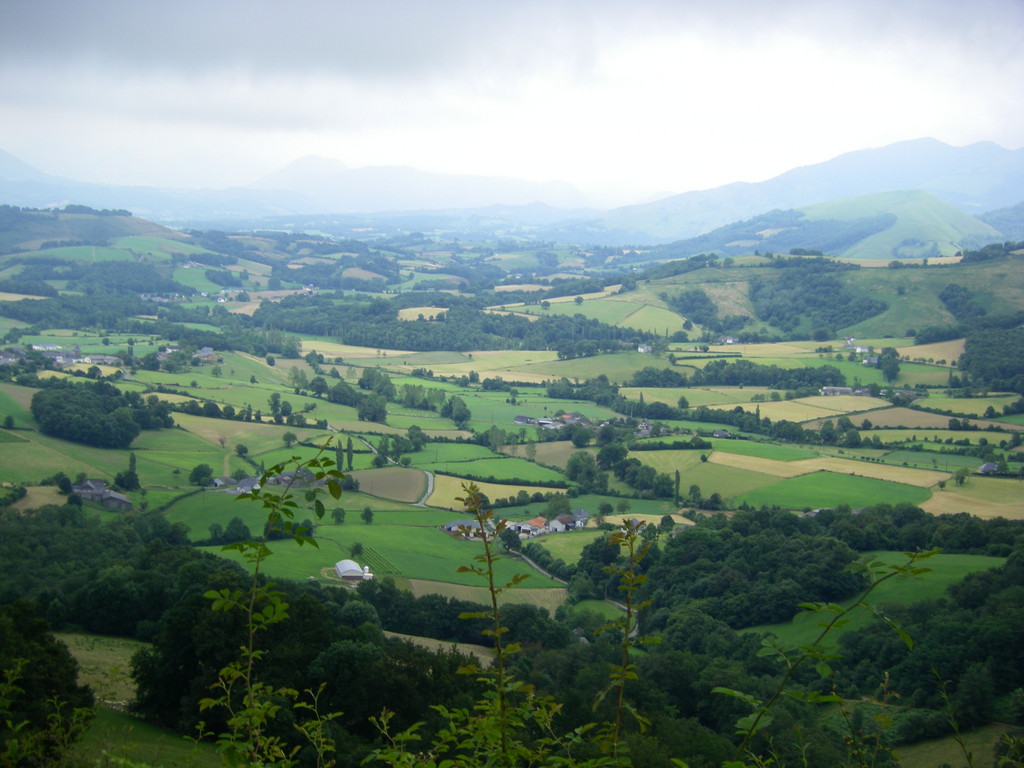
(882,226)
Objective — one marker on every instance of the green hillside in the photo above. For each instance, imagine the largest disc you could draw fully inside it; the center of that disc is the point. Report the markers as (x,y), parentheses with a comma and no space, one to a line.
(924,226)
(878,227)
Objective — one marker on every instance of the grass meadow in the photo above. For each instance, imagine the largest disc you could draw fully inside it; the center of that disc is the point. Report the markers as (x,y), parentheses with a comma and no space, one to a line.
(829,489)
(945,570)
(501,469)
(417,552)
(984,497)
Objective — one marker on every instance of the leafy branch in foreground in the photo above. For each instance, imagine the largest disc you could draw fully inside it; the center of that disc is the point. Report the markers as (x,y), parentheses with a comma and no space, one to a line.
(818,653)
(250,703)
(511,725)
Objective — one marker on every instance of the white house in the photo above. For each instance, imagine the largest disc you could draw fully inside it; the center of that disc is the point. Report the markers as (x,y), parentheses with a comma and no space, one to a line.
(349,570)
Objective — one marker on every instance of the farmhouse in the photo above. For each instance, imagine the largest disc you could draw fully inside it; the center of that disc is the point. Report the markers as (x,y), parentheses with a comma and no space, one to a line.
(349,570)
(988,468)
(466,528)
(103,359)
(539,524)
(96,490)
(580,516)
(524,420)
(834,391)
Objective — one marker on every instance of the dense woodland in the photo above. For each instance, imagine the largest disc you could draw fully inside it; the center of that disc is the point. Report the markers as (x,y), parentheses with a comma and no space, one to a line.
(137,577)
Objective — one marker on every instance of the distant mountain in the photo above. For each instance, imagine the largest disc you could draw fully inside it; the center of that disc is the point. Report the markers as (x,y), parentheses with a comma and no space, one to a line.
(1009,221)
(883,226)
(975,179)
(311,185)
(13,169)
(336,188)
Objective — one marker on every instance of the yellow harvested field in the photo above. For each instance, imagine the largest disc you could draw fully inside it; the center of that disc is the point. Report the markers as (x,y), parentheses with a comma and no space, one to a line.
(363,274)
(922,478)
(482,653)
(39,496)
(238,431)
(985,497)
(386,429)
(5,296)
(395,483)
(676,516)
(767,350)
(549,598)
(789,410)
(907,417)
(170,397)
(520,287)
(531,318)
(975,406)
(333,349)
(941,350)
(412,313)
(844,403)
(447,489)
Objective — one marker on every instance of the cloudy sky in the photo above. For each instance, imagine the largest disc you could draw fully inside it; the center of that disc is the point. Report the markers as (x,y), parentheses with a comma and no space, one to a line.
(622,99)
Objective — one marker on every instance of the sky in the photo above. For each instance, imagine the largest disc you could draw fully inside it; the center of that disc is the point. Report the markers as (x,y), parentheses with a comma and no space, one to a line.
(625,100)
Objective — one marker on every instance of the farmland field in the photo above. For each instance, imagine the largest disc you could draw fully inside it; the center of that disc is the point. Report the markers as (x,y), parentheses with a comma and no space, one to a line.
(772,451)
(668,461)
(549,599)
(396,483)
(417,552)
(829,489)
(917,477)
(974,406)
(570,544)
(946,569)
(502,470)
(985,497)
(447,489)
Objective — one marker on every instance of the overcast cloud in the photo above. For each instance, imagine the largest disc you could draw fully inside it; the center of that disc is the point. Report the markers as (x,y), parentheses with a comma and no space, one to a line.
(618,98)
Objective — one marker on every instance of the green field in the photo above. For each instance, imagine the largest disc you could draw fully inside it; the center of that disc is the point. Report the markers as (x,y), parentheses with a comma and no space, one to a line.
(567,546)
(829,489)
(945,570)
(502,470)
(772,451)
(931,460)
(418,552)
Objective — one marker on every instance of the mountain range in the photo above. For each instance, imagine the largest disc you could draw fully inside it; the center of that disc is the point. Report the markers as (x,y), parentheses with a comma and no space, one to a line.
(974,179)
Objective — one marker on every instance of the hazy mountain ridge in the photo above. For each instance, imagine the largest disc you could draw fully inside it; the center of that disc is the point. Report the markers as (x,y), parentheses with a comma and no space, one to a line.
(887,225)
(976,178)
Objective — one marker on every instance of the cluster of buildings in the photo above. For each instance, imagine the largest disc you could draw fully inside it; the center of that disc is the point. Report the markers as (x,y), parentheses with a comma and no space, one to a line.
(96,490)
(555,423)
(538,526)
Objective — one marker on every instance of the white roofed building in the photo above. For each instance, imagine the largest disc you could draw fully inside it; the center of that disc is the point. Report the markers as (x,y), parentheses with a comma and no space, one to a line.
(349,570)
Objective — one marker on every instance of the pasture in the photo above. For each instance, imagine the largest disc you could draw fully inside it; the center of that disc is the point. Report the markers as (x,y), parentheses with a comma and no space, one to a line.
(447,489)
(547,598)
(773,451)
(971,406)
(396,483)
(417,552)
(567,546)
(501,469)
(829,489)
(795,468)
(985,497)
(903,590)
